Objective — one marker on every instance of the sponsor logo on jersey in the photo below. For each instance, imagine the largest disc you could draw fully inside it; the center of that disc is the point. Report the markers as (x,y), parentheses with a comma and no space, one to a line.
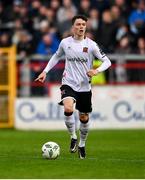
(77,59)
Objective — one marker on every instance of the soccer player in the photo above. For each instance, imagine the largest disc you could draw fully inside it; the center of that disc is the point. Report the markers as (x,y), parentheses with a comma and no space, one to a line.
(79,52)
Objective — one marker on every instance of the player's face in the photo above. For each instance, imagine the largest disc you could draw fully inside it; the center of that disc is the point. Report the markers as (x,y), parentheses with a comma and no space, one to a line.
(79,27)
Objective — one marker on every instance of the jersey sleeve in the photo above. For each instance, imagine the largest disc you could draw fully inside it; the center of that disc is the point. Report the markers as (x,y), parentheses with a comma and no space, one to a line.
(99,54)
(55,58)
(60,50)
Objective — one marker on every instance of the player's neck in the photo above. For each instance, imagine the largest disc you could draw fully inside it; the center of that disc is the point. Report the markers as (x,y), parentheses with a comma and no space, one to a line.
(78,38)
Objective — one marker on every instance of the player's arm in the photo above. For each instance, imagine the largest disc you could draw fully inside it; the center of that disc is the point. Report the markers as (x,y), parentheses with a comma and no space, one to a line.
(52,62)
(106,63)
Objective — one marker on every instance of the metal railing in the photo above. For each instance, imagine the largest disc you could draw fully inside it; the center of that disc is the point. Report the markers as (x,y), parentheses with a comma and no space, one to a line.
(125,69)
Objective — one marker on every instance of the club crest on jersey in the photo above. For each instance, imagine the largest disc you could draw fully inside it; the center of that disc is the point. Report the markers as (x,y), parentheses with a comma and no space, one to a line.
(85,49)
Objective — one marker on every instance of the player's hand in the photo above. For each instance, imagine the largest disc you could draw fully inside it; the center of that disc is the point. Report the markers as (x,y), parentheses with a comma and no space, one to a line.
(92,72)
(41,77)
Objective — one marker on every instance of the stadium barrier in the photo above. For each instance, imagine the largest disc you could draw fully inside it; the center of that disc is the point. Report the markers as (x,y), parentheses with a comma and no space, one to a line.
(126,69)
(7,86)
(114,107)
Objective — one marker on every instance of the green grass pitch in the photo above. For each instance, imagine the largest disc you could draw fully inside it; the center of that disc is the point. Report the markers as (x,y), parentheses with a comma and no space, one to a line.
(110,154)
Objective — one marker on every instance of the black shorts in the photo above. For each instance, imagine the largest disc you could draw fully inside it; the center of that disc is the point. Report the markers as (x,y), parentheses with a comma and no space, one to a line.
(82,99)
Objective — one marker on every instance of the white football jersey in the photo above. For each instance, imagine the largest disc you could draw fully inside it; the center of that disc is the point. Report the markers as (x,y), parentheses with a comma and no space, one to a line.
(79,56)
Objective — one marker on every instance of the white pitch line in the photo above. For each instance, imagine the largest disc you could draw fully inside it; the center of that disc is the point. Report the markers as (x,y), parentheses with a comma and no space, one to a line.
(75,158)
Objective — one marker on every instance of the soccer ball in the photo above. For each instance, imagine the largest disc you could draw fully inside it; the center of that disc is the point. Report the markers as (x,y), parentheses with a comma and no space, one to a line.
(50,150)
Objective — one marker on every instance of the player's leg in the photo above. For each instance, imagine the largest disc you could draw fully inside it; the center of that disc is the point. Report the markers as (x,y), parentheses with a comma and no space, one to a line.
(84,106)
(84,129)
(68,100)
(69,116)
(70,122)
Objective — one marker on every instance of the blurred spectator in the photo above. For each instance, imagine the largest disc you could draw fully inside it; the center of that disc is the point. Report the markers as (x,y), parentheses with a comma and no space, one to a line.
(125,8)
(107,32)
(101,5)
(50,16)
(65,26)
(34,13)
(5,15)
(35,5)
(94,23)
(44,27)
(43,12)
(137,19)
(2,14)
(18,27)
(25,19)
(123,46)
(48,45)
(124,30)
(17,4)
(138,74)
(116,15)
(5,40)
(54,5)
(24,46)
(18,24)
(66,8)
(94,19)
(140,46)
(84,8)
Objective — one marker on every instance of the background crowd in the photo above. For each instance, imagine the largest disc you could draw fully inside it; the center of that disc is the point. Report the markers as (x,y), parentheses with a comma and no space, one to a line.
(37,26)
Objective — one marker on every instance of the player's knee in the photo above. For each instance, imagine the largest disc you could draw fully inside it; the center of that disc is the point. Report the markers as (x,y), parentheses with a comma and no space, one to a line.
(84,117)
(68,111)
(68,108)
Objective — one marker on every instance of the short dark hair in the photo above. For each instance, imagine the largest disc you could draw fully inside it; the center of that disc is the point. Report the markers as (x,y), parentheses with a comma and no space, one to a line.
(79,17)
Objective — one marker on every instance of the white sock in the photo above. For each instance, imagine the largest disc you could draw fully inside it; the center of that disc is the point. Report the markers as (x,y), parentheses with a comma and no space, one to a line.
(70,124)
(84,128)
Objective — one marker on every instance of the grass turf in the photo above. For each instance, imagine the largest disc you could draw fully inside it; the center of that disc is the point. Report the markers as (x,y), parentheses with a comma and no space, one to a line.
(110,154)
